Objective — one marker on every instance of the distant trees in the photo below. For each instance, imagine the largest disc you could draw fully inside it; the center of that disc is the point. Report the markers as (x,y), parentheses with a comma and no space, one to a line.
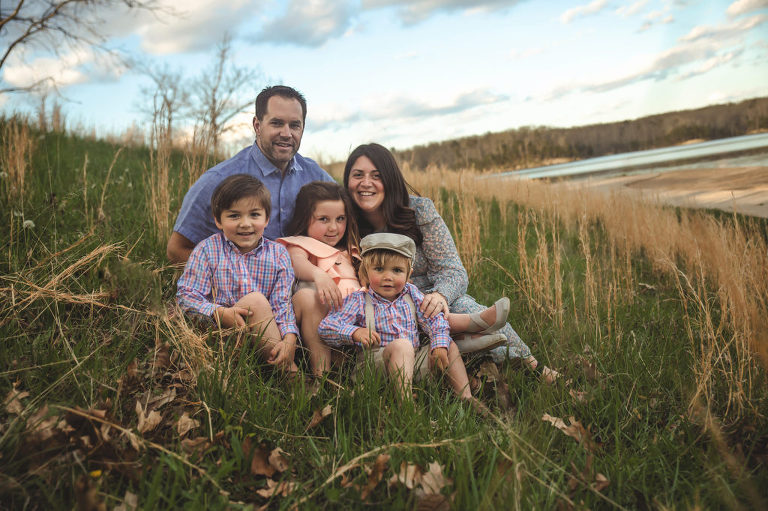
(538,145)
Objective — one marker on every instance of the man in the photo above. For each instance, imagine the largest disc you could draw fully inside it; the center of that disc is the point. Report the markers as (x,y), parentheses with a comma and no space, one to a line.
(273,159)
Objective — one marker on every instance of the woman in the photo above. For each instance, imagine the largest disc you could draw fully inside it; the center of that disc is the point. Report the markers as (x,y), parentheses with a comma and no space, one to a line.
(381,202)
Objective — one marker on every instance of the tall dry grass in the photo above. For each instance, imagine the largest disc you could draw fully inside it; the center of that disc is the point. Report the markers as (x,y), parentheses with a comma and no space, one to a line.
(15,159)
(157,180)
(721,268)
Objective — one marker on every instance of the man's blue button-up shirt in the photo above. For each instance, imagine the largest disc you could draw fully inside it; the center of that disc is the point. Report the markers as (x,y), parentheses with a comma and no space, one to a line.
(195,220)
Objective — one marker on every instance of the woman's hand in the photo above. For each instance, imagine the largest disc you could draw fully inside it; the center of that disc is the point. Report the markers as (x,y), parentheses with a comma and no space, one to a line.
(434,303)
(328,292)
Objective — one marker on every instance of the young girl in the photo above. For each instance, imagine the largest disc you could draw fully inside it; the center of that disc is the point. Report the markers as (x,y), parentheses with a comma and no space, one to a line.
(324,252)
(324,248)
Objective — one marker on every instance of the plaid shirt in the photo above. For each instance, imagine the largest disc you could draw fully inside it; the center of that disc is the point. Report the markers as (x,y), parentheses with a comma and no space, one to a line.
(217,274)
(393,320)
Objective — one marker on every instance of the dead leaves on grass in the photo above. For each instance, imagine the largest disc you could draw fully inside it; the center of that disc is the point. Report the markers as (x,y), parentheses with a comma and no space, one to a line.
(426,485)
(574,430)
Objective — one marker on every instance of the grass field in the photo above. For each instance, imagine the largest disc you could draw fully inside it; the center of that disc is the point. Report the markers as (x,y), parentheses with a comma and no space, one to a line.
(658,317)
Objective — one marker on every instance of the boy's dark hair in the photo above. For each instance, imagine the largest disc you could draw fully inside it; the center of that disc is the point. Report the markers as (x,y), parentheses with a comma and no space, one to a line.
(306,201)
(279,90)
(236,187)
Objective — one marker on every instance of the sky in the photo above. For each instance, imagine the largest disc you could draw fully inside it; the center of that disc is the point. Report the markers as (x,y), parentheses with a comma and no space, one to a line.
(404,73)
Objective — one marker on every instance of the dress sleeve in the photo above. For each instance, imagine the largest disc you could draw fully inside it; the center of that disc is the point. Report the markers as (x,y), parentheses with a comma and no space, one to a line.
(444,267)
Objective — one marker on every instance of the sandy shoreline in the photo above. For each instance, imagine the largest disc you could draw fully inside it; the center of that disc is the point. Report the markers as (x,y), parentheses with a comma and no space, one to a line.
(744,189)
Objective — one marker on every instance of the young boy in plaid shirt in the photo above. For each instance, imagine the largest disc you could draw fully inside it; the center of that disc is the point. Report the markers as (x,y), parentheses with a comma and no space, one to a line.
(393,340)
(237,277)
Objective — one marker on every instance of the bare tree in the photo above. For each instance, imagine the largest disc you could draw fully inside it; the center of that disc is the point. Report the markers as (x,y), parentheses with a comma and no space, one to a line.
(164,100)
(217,94)
(55,24)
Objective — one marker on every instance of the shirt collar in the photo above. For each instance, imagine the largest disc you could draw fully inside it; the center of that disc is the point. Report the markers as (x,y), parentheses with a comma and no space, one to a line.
(267,167)
(381,299)
(236,250)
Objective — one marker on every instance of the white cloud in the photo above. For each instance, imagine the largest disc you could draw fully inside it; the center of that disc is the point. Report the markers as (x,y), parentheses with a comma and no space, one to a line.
(309,23)
(583,10)
(79,65)
(626,11)
(724,30)
(415,11)
(744,6)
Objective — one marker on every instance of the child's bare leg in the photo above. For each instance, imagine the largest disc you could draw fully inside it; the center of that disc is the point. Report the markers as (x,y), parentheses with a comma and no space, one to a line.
(309,313)
(457,373)
(399,358)
(460,322)
(262,321)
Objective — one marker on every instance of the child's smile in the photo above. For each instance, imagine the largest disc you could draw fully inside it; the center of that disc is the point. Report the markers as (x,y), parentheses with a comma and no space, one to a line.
(243,223)
(329,222)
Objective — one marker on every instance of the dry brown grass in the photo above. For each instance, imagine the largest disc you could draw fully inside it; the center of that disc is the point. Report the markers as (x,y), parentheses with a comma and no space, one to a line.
(721,268)
(15,158)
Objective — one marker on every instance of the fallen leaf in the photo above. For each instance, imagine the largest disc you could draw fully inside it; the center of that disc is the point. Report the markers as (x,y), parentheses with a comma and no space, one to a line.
(409,475)
(134,441)
(319,415)
(41,427)
(260,465)
(578,395)
(277,460)
(195,445)
(13,399)
(164,398)
(283,488)
(601,482)
(147,422)
(433,502)
(104,431)
(162,358)
(433,479)
(375,475)
(186,423)
(130,502)
(575,430)
(489,370)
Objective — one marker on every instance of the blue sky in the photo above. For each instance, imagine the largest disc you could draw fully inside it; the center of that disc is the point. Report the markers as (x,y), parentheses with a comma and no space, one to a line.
(406,73)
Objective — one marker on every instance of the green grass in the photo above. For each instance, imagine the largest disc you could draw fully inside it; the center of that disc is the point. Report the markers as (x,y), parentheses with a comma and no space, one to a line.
(78,356)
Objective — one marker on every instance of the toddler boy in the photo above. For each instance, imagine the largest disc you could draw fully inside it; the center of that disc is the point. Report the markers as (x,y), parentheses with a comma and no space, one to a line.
(393,340)
(237,277)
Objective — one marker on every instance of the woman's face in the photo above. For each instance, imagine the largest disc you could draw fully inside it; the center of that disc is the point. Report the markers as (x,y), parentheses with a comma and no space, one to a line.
(365,186)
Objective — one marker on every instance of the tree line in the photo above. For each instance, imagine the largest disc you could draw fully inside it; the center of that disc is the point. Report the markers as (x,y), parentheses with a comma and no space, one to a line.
(531,146)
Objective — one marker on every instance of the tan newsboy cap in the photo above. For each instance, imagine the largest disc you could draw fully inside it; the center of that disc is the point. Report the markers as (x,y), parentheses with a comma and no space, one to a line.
(399,243)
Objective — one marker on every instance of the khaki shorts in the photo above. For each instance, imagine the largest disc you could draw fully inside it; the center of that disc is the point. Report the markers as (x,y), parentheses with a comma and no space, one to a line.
(375,356)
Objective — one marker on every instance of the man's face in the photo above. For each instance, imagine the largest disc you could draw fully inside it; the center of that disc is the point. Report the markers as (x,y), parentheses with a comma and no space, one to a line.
(278,134)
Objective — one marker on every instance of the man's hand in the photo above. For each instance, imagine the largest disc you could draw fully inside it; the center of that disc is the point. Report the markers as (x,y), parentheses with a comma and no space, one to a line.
(328,292)
(438,359)
(434,303)
(282,352)
(366,338)
(232,316)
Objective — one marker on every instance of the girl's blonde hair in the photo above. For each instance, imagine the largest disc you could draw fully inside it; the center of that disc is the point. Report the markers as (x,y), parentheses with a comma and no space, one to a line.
(380,258)
(306,201)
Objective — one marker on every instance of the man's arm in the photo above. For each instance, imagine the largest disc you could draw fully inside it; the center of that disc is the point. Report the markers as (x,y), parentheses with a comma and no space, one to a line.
(179,248)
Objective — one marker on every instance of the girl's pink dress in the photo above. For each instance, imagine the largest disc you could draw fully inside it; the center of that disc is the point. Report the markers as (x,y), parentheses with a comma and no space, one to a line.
(336,263)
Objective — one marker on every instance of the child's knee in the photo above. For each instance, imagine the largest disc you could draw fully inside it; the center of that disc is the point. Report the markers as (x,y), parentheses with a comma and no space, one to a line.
(254,300)
(399,349)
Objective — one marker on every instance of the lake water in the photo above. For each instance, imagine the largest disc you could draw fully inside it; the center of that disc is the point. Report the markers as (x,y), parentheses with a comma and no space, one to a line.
(715,153)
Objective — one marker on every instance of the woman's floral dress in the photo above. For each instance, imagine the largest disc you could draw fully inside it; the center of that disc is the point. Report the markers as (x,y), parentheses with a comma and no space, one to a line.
(439,268)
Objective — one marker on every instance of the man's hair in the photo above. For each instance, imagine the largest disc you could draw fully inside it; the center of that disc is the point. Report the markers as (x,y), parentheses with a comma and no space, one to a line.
(381,257)
(236,187)
(306,201)
(279,90)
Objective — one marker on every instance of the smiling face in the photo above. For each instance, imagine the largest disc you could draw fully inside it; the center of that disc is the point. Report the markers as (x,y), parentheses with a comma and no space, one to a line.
(278,133)
(329,222)
(243,223)
(365,186)
(385,273)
